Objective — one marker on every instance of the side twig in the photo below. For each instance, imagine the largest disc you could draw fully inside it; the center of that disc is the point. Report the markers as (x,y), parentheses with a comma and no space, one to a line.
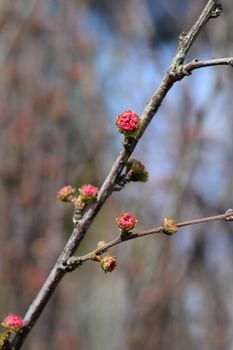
(196,64)
(75,261)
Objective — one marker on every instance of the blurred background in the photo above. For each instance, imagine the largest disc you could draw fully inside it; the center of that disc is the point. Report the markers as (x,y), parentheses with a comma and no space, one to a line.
(67,69)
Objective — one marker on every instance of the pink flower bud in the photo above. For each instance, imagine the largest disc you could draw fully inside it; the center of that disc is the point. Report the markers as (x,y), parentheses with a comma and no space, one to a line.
(108,263)
(66,193)
(126,222)
(88,192)
(13,323)
(128,122)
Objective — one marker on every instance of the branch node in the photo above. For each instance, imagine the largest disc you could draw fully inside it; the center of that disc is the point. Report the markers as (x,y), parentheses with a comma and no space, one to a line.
(118,187)
(217,11)
(77,215)
(179,72)
(182,37)
(70,264)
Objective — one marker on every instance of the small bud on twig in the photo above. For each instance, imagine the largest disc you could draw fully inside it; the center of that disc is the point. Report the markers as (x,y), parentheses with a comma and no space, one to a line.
(126,223)
(108,263)
(169,226)
(136,171)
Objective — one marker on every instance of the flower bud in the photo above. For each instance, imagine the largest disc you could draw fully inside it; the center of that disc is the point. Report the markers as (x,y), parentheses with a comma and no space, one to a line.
(128,123)
(108,263)
(88,192)
(136,171)
(126,222)
(169,226)
(13,323)
(66,193)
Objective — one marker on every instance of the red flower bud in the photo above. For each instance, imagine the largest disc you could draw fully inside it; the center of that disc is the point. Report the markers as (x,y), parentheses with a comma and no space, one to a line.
(126,222)
(13,323)
(128,122)
(88,192)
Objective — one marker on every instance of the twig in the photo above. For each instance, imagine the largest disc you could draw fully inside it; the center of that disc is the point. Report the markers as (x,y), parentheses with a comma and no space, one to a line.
(75,261)
(171,76)
(187,69)
(195,64)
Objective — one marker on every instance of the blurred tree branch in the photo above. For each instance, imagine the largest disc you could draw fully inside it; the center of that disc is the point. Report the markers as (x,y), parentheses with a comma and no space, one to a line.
(176,72)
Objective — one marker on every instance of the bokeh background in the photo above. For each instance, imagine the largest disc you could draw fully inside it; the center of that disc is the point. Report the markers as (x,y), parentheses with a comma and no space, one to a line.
(67,69)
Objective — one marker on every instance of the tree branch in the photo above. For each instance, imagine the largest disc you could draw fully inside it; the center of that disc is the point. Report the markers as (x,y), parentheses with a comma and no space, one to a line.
(171,76)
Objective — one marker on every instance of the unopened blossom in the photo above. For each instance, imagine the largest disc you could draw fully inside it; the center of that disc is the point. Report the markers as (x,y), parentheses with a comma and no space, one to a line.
(169,226)
(13,323)
(128,122)
(137,172)
(126,222)
(108,263)
(88,192)
(66,193)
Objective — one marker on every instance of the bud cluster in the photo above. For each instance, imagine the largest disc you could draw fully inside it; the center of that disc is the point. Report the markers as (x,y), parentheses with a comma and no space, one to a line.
(108,263)
(87,193)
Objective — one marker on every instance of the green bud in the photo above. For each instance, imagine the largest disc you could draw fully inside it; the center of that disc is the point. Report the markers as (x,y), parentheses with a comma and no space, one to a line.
(169,227)
(136,171)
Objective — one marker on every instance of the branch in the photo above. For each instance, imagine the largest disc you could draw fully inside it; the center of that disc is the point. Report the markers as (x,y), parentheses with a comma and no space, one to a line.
(213,9)
(75,261)
(173,74)
(195,64)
